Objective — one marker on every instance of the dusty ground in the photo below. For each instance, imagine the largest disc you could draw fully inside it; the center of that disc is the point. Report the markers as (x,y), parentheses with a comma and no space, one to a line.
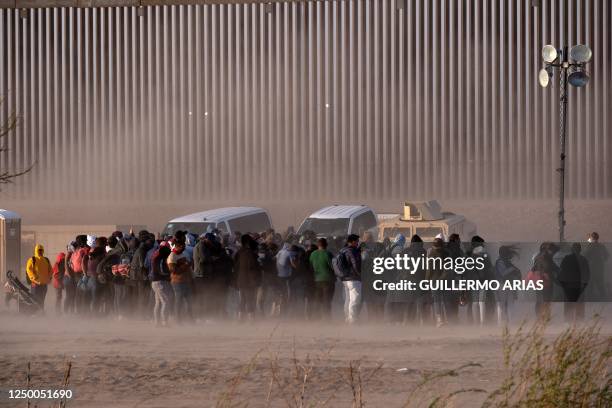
(132,364)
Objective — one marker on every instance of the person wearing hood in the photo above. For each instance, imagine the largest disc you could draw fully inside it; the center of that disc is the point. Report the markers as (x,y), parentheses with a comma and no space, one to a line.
(59,269)
(39,272)
(190,243)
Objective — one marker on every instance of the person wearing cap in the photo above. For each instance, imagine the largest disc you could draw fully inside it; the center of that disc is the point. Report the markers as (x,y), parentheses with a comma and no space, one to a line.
(39,273)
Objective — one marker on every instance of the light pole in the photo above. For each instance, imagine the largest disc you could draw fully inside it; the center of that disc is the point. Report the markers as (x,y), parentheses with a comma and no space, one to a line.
(570,66)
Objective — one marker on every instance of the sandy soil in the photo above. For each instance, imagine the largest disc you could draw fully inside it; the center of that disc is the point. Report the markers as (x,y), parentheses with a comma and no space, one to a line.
(132,364)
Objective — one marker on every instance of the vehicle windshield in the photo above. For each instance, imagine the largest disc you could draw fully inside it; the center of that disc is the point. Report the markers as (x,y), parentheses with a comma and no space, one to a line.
(197,228)
(428,232)
(391,232)
(329,227)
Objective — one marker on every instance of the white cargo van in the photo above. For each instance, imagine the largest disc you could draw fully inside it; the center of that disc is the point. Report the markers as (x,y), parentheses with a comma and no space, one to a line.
(227,220)
(340,221)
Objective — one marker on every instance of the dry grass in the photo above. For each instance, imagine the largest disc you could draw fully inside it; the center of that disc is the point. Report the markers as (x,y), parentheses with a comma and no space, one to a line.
(572,370)
(569,370)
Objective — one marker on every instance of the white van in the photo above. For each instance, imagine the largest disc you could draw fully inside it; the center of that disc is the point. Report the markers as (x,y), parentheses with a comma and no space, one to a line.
(226,220)
(340,221)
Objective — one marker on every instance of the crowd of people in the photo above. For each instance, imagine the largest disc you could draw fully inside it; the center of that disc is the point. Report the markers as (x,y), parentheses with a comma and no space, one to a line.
(184,278)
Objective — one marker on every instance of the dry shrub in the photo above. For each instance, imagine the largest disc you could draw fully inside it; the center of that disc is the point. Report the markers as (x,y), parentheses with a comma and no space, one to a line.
(572,370)
(296,384)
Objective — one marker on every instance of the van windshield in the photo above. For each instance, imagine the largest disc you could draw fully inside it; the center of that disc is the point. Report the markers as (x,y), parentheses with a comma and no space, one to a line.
(329,227)
(197,228)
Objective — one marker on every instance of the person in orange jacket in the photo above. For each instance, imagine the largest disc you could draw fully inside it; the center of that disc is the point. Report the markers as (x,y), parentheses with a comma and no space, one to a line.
(39,273)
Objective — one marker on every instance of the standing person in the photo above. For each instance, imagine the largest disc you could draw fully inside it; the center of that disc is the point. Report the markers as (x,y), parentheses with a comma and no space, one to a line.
(248,276)
(212,271)
(180,278)
(478,298)
(267,251)
(115,249)
(398,306)
(76,263)
(121,271)
(324,279)
(545,267)
(201,268)
(453,248)
(298,284)
(416,297)
(59,272)
(505,271)
(138,275)
(597,255)
(374,300)
(90,270)
(39,273)
(160,284)
(70,282)
(574,276)
(436,272)
(284,268)
(347,265)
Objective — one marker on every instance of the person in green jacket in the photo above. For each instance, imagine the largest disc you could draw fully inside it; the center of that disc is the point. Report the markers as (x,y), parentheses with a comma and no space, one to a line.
(324,277)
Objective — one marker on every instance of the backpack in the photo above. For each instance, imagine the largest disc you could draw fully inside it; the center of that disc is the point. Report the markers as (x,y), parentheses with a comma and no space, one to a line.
(76,260)
(341,265)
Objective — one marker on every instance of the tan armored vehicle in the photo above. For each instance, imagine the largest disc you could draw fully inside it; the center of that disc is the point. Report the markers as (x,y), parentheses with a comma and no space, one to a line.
(426,219)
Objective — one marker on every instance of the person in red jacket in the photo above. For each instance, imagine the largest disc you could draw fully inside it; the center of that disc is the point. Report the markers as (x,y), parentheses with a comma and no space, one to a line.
(59,269)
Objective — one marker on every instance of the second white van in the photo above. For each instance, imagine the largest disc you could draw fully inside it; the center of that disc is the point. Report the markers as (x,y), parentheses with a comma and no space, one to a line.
(226,219)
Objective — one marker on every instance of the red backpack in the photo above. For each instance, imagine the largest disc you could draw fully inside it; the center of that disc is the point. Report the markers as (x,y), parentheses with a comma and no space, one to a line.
(76,260)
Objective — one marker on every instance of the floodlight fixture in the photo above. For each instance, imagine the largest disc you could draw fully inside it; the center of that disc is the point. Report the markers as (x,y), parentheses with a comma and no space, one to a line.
(544,78)
(577,76)
(580,53)
(549,53)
